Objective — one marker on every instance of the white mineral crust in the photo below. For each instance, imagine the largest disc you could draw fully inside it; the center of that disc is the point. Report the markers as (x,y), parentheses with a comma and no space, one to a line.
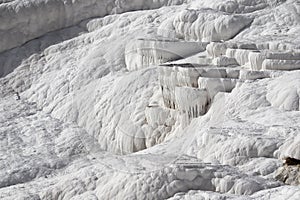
(149,99)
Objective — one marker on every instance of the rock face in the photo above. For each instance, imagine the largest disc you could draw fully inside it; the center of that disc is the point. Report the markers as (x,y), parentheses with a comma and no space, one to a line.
(289,175)
(32,19)
(290,172)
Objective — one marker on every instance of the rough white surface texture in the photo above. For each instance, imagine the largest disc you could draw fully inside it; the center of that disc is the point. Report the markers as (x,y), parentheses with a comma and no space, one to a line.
(216,49)
(256,60)
(192,101)
(290,148)
(285,96)
(240,55)
(25,20)
(224,61)
(207,25)
(216,85)
(81,118)
(272,64)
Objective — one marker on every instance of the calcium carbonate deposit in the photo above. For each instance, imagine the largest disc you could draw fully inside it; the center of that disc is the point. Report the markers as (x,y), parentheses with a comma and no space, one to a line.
(150,99)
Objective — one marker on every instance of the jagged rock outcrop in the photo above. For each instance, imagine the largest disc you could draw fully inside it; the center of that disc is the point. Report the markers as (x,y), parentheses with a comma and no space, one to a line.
(289,152)
(289,174)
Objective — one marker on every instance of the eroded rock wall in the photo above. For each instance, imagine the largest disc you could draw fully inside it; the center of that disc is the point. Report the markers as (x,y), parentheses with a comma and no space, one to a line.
(21,21)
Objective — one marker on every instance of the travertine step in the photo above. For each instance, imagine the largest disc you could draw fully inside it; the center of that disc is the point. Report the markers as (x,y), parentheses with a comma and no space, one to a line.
(253,75)
(191,101)
(274,64)
(215,85)
(259,58)
(266,60)
(143,53)
(240,55)
(190,88)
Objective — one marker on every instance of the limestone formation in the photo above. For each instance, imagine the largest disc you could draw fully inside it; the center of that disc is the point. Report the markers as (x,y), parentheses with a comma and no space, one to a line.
(149,99)
(143,53)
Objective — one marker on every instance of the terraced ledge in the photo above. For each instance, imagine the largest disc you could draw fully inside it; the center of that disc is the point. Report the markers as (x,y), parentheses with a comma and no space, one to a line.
(143,53)
(190,88)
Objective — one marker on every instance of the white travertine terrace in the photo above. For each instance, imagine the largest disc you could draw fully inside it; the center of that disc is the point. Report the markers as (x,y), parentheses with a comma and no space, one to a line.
(256,60)
(270,60)
(216,85)
(191,88)
(290,55)
(143,53)
(216,49)
(224,61)
(246,74)
(241,55)
(191,101)
(248,54)
(212,80)
(184,120)
(275,64)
